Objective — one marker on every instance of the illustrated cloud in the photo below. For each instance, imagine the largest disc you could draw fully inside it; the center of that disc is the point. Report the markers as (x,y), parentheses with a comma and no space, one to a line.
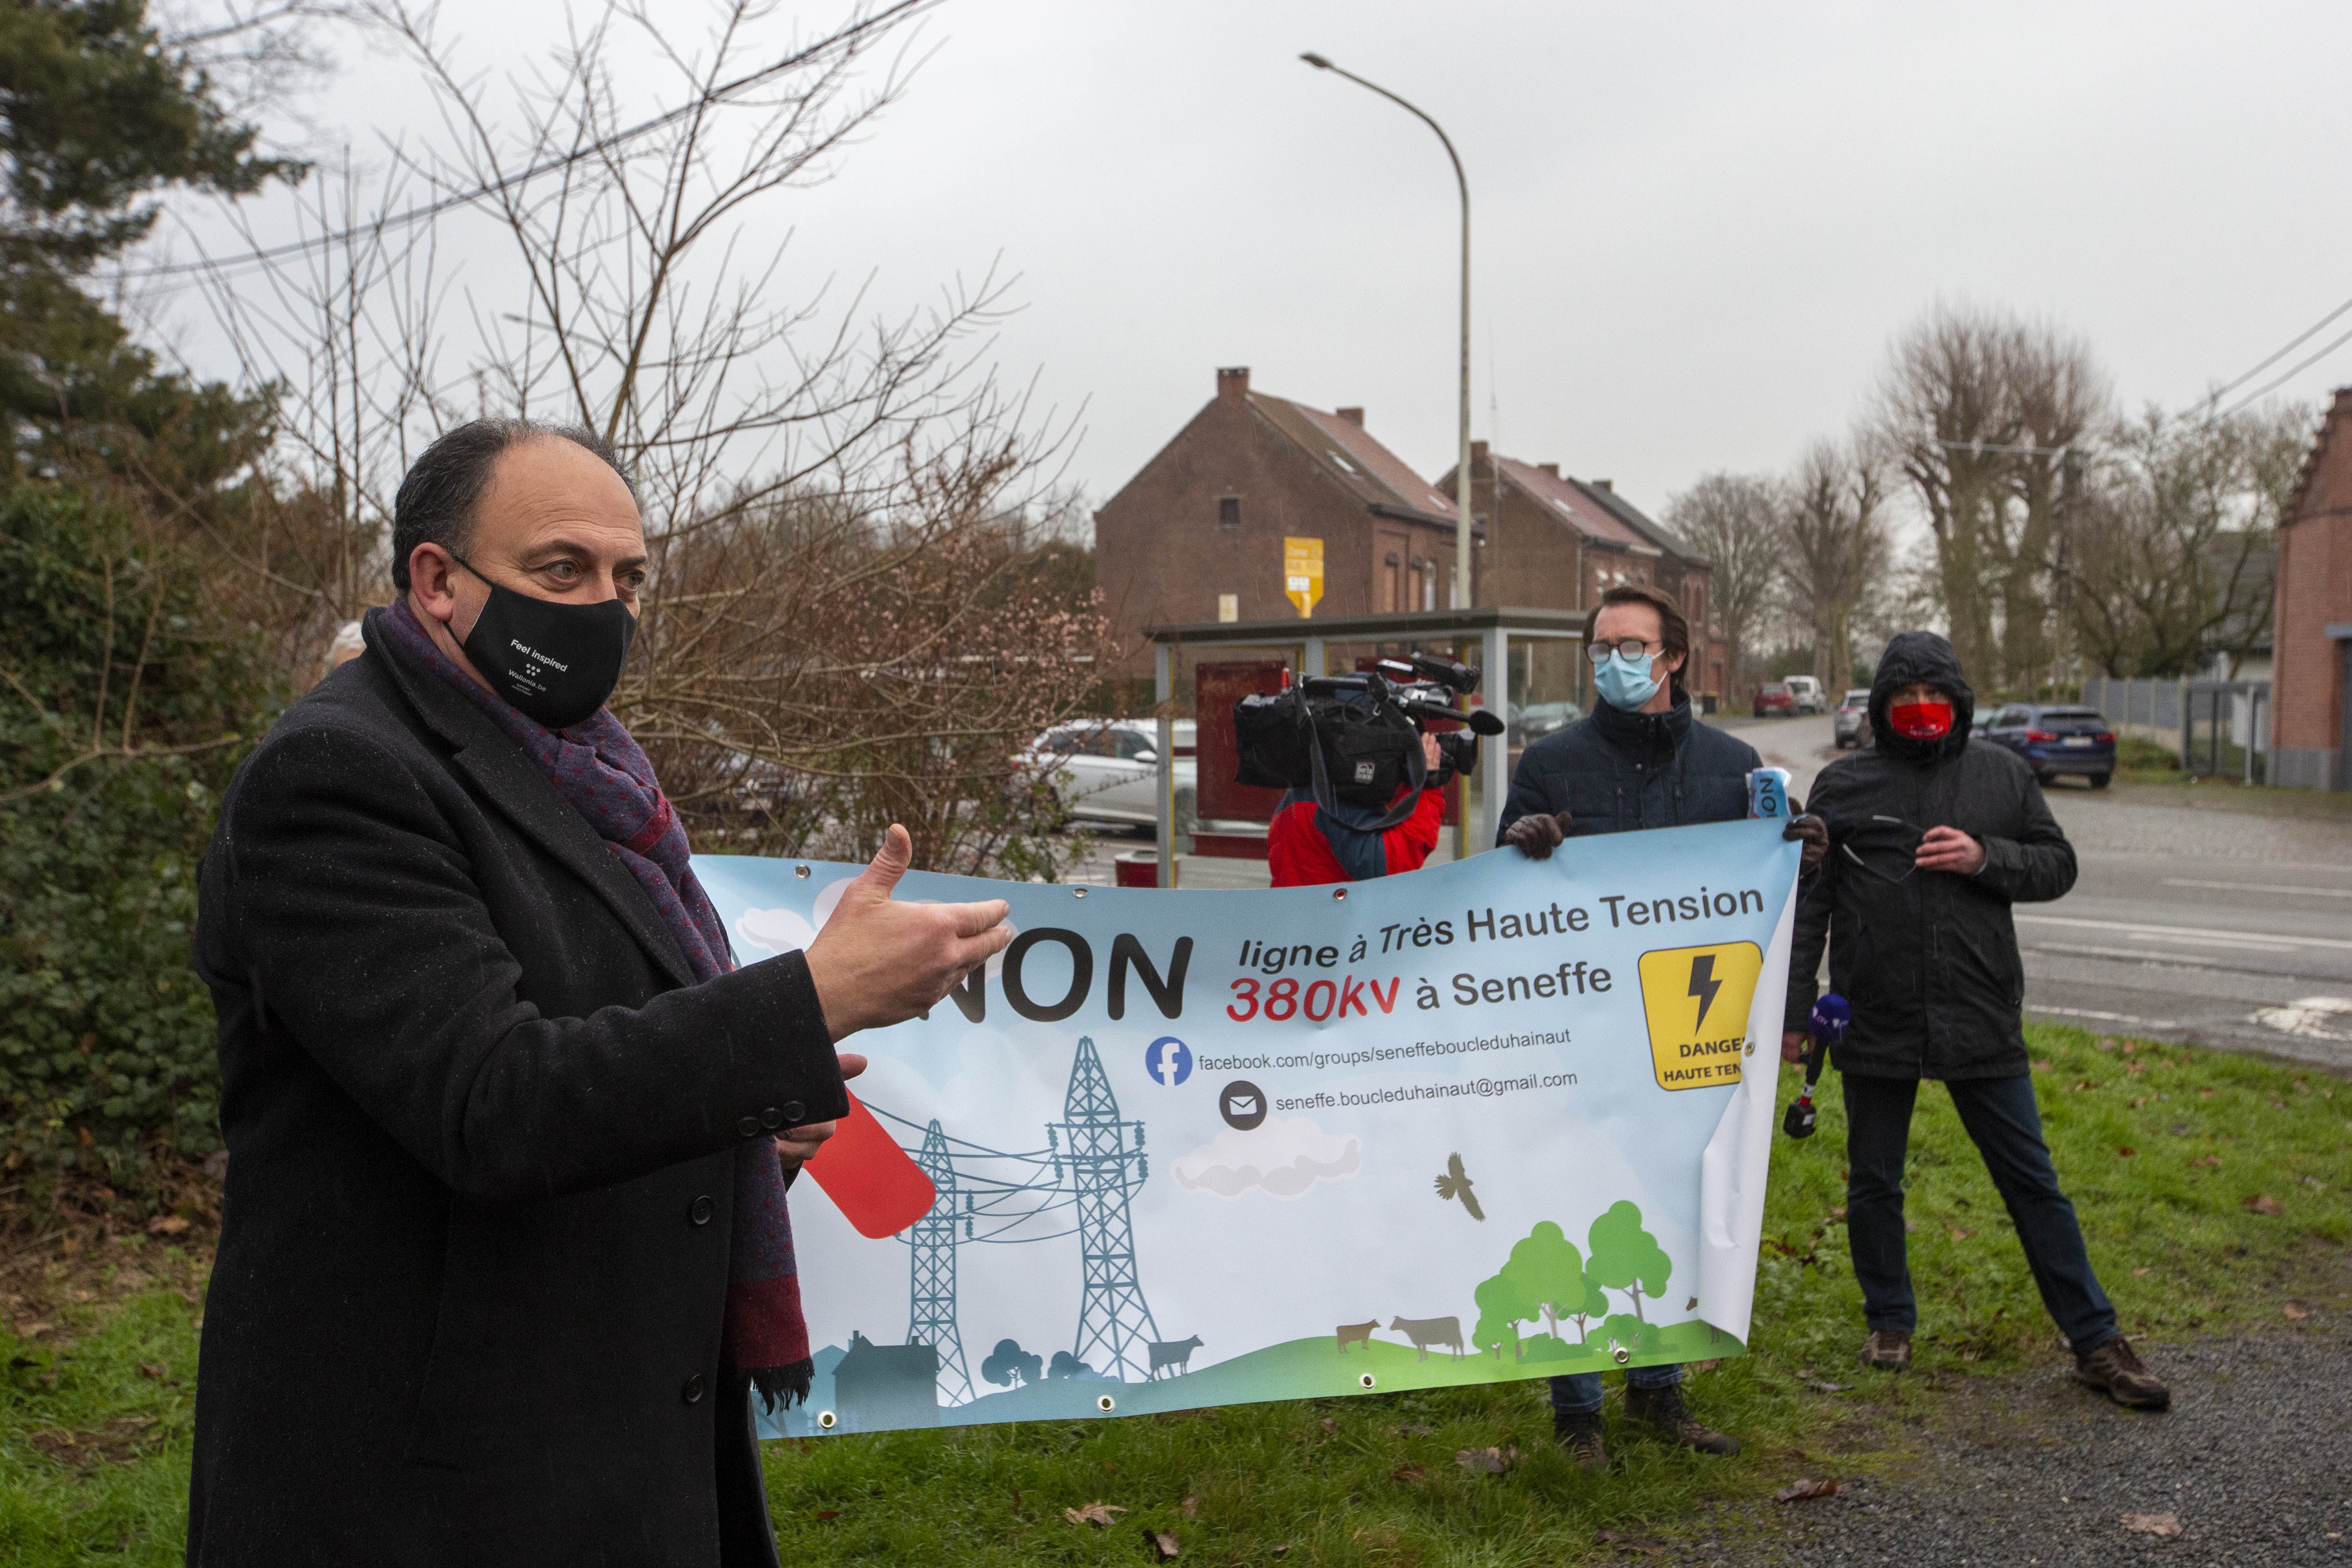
(1282,1157)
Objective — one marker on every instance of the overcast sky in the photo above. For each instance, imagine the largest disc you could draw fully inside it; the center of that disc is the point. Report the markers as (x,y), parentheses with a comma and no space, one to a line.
(1696,225)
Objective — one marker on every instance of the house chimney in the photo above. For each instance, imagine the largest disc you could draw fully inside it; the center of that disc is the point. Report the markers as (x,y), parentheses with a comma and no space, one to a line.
(1550,468)
(1352,416)
(1608,485)
(1477,451)
(1232,381)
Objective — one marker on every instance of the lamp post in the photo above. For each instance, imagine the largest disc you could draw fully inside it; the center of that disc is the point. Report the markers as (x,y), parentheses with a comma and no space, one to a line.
(1462,581)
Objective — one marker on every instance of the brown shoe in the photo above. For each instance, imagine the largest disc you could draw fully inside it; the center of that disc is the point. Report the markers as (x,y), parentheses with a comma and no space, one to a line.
(1886,1349)
(1662,1409)
(1579,1437)
(2114,1371)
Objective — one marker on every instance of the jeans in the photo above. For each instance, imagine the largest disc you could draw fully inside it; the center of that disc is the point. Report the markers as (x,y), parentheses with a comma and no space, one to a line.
(1579,1393)
(2005,1124)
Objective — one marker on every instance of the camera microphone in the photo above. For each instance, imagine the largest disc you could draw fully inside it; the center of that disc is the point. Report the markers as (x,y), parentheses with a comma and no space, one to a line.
(1827,1025)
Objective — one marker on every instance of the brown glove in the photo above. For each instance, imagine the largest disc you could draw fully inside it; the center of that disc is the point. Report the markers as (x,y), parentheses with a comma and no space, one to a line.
(1537,835)
(1816,835)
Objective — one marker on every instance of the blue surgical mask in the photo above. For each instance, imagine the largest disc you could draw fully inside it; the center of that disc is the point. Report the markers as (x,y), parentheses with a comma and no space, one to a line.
(1625,683)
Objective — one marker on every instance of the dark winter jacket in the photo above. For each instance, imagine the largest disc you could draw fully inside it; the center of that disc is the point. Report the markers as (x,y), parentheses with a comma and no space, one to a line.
(1613,772)
(1928,959)
(482,1131)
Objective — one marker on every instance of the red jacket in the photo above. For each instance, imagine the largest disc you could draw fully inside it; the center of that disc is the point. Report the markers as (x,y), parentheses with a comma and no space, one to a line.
(1307,846)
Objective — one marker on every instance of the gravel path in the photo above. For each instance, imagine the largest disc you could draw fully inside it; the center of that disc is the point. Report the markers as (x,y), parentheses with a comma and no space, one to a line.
(2254,1459)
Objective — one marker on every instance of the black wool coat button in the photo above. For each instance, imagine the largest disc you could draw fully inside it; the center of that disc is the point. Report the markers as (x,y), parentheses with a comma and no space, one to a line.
(749,1127)
(771,1117)
(700,1211)
(692,1390)
(796,1112)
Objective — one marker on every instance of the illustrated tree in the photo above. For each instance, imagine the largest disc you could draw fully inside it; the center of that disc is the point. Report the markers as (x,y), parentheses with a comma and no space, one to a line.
(1009,1362)
(1594,1305)
(1503,1304)
(1627,1258)
(1064,1365)
(1549,1271)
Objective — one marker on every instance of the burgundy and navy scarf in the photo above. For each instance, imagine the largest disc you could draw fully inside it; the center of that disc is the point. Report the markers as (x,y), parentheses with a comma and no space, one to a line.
(599,768)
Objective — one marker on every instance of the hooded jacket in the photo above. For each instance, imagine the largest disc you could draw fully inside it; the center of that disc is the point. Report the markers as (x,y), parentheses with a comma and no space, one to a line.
(1927,960)
(1613,772)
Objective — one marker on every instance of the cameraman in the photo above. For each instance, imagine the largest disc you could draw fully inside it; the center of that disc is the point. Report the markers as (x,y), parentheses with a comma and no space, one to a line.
(1638,760)
(1307,845)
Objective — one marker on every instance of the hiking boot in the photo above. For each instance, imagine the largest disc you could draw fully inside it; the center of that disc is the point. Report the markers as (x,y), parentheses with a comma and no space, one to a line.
(1664,1411)
(1886,1349)
(2114,1371)
(1579,1437)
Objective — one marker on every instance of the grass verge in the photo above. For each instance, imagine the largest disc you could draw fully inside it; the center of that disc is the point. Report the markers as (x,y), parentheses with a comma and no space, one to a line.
(2175,1159)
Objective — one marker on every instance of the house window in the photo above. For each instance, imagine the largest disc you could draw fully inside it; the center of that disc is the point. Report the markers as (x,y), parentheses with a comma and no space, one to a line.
(1229,513)
(1229,608)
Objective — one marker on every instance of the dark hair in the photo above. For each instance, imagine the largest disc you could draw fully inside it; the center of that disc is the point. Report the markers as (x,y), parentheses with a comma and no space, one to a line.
(442,487)
(1674,631)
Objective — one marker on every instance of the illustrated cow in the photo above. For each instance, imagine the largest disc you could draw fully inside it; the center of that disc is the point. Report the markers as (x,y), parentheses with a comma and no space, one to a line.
(1355,1334)
(1178,1355)
(1426,1331)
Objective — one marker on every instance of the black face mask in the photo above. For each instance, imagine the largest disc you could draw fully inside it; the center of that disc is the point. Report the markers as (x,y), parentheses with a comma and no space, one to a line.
(555,662)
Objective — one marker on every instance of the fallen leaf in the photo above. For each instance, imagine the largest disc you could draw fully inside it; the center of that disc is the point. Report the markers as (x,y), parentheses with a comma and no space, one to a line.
(2139,1101)
(32,1330)
(1837,1215)
(2314,1182)
(1627,1543)
(825,1513)
(2261,1204)
(1413,1475)
(166,1225)
(2293,1312)
(2044,1066)
(1826,1387)
(1283,1550)
(2153,1523)
(1162,1543)
(1414,1429)
(1329,1425)
(154,1369)
(1960,1235)
(2129,1047)
(1812,1486)
(2142,1273)
(2086,1083)
(2214,1161)
(1190,1507)
(2204,1094)
(2135,1069)
(2123,1152)
(1093,1513)
(1492,1461)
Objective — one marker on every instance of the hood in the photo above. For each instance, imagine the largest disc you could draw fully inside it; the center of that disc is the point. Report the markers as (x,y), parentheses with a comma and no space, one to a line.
(1916,657)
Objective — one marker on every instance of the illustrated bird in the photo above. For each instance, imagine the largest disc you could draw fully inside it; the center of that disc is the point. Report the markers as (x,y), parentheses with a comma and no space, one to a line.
(1455,1184)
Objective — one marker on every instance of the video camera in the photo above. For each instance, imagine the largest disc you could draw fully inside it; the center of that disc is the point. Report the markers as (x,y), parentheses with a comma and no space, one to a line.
(1356,738)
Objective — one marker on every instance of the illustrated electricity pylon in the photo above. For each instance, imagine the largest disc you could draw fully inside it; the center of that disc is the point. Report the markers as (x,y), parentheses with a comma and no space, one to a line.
(1114,1320)
(932,1315)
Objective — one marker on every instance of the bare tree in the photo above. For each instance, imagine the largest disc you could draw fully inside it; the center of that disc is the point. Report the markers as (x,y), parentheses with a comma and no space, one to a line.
(2171,559)
(1730,519)
(1979,410)
(1836,547)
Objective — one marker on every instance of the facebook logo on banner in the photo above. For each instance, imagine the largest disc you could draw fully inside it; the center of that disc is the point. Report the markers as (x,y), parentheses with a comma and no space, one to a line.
(1168,1061)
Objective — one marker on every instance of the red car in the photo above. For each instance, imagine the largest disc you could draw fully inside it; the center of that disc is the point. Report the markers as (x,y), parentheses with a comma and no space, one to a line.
(1774,697)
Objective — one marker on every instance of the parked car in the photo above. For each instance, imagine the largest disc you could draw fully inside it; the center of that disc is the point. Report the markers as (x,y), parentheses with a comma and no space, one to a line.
(2056,739)
(1774,698)
(1538,720)
(1805,695)
(1108,771)
(1851,724)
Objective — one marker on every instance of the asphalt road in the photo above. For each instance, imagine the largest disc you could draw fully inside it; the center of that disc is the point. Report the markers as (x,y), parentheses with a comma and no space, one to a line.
(2217,928)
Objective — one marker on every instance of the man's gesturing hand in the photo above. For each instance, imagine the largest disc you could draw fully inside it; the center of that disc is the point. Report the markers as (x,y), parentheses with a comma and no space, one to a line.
(1950,849)
(1536,835)
(878,961)
(799,1145)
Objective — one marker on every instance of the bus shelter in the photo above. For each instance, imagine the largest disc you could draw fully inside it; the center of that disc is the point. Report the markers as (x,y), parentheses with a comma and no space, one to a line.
(1532,672)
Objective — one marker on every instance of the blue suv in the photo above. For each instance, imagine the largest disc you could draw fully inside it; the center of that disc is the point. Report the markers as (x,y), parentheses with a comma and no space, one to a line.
(2057,740)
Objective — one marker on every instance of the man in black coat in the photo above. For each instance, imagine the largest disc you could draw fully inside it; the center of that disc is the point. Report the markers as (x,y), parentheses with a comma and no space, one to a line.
(1639,760)
(484,1121)
(1936,835)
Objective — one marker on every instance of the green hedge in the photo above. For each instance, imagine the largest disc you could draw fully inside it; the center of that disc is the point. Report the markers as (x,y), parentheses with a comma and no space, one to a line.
(106,1034)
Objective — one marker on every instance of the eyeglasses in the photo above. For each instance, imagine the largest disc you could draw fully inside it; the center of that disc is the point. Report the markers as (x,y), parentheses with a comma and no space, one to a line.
(1631,648)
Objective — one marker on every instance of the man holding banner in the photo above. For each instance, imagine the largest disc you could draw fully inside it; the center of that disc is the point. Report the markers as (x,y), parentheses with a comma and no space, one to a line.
(1640,760)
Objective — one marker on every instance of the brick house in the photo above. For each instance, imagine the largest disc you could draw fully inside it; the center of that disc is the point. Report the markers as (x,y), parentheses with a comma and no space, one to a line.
(1197,534)
(2311,739)
(1557,542)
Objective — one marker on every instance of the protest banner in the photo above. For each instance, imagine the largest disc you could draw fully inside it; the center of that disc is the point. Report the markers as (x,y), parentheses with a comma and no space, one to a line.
(1497,1118)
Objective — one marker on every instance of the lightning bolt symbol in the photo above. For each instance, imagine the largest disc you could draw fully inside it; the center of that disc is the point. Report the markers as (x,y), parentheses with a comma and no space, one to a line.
(1704,986)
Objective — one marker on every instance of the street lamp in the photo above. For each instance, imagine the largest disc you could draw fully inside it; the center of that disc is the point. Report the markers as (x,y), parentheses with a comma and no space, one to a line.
(1462,583)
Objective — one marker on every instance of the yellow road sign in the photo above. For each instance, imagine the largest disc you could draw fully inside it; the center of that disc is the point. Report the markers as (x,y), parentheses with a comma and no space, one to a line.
(1302,573)
(1696,999)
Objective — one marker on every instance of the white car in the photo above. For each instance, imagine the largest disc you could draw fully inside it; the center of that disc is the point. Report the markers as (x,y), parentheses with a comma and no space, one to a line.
(1107,770)
(1806,695)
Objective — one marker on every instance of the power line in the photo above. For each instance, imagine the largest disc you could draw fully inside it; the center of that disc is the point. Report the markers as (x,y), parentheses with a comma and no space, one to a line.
(465,198)
(2272,386)
(2293,344)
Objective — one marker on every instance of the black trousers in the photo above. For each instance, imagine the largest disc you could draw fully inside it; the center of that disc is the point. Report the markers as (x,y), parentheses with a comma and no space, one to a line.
(745,1538)
(2005,1124)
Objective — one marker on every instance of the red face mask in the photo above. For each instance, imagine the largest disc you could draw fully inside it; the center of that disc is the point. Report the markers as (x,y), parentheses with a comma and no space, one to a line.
(1921,720)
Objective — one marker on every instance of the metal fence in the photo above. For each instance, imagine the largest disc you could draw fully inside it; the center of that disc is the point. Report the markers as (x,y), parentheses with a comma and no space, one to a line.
(2221,726)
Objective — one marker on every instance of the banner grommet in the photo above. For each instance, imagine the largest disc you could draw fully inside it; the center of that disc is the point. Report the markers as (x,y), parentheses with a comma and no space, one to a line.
(1104,1404)
(1368,1380)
